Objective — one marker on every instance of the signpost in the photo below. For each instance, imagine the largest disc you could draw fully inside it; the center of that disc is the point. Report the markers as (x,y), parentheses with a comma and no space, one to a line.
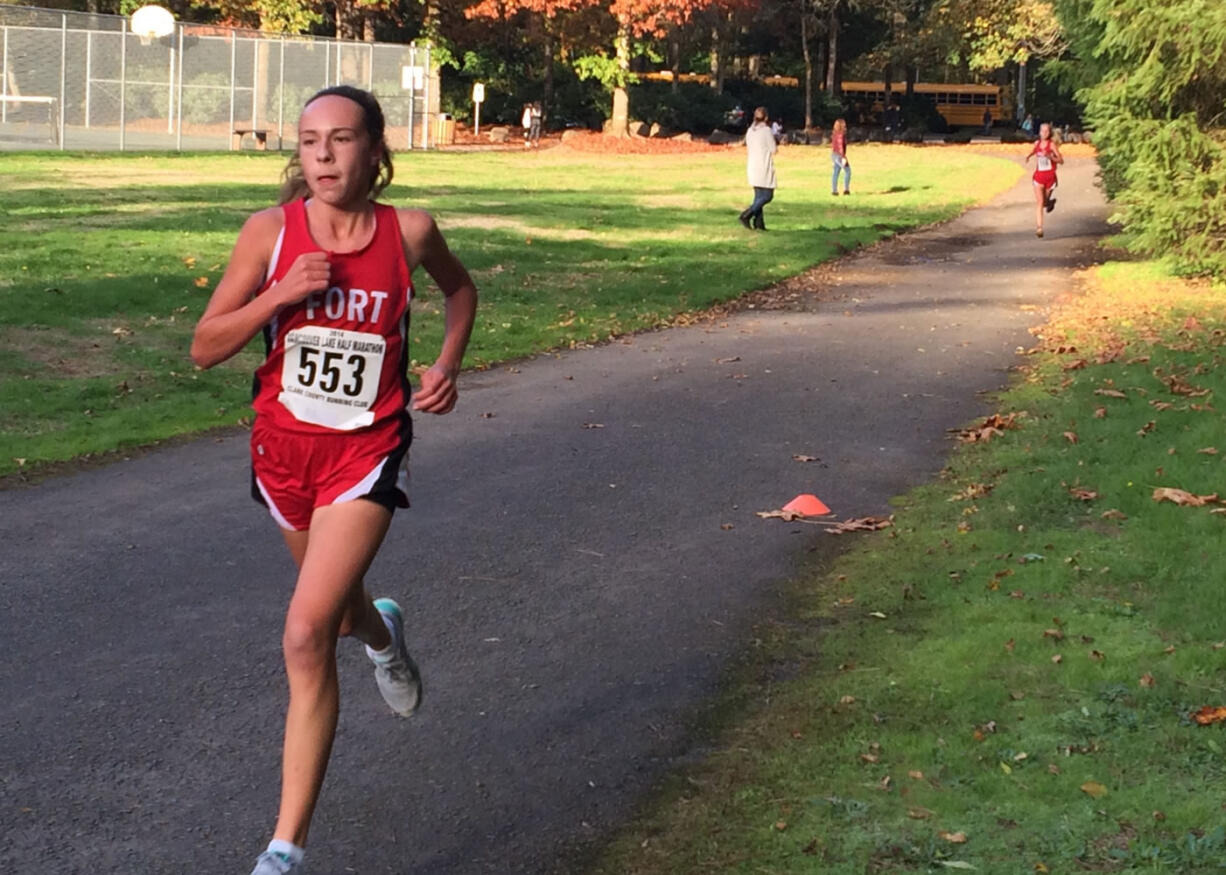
(478,99)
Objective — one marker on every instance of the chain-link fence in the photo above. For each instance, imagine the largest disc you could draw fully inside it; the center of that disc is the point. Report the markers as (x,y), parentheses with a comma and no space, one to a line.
(71,80)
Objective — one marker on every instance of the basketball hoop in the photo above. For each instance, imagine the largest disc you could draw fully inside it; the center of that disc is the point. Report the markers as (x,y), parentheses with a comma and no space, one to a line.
(152,22)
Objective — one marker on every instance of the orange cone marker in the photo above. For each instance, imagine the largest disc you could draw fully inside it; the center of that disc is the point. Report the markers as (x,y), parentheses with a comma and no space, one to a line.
(807,505)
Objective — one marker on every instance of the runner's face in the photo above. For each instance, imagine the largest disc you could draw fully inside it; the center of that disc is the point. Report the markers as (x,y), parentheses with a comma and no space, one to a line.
(335,150)
(1045,131)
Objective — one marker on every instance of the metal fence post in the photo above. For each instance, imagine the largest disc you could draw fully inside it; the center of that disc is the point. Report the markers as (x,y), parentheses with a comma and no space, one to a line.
(233,59)
(281,99)
(170,91)
(425,100)
(255,83)
(123,82)
(327,64)
(412,92)
(4,79)
(63,75)
(89,72)
(179,99)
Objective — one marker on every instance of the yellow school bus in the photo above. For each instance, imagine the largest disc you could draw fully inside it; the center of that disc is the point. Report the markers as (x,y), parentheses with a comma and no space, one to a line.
(959,103)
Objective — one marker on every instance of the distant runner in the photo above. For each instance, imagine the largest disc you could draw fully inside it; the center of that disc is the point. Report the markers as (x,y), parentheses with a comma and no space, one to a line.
(1048,154)
(326,277)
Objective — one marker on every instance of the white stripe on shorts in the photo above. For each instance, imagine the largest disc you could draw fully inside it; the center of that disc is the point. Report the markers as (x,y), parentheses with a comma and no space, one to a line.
(363,486)
(272,507)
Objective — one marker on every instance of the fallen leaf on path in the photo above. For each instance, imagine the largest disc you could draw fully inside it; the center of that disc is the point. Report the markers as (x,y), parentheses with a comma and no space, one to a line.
(861,524)
(1094,789)
(728,361)
(727,527)
(1182,497)
(1209,714)
(802,458)
(593,425)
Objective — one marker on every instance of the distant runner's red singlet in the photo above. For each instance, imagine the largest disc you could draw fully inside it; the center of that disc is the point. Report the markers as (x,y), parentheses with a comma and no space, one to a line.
(336,361)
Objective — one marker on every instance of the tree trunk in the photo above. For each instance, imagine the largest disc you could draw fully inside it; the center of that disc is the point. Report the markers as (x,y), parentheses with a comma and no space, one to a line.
(717,57)
(368,27)
(547,100)
(620,122)
(832,52)
(804,45)
(912,75)
(674,52)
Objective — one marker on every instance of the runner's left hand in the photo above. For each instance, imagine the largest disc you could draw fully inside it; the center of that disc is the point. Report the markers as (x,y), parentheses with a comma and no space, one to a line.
(438,391)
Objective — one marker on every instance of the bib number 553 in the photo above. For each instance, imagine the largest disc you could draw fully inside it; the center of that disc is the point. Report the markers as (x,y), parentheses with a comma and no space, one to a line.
(323,371)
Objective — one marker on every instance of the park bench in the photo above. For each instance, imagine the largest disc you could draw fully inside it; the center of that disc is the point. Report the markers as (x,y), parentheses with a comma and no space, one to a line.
(50,102)
(260,135)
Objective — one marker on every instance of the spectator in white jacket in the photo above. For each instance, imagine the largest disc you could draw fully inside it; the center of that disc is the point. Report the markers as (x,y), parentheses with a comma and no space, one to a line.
(760,146)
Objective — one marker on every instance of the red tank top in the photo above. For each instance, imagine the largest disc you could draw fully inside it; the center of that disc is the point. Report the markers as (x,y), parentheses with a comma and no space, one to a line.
(337,360)
(1043,151)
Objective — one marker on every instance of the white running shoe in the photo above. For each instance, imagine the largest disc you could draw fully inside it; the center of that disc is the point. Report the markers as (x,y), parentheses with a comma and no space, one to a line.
(269,863)
(397,675)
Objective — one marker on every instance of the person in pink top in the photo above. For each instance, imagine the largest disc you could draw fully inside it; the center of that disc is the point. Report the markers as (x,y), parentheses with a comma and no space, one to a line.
(326,277)
(838,155)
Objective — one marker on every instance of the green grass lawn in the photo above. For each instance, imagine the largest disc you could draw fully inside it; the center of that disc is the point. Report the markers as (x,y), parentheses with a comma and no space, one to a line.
(1004,680)
(106,262)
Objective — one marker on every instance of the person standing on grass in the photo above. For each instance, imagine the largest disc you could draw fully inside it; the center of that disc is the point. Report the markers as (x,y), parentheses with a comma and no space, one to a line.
(760,145)
(1047,151)
(326,277)
(525,122)
(838,155)
(536,115)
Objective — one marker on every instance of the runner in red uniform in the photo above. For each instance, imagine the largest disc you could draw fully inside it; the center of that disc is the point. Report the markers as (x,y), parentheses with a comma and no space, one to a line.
(326,277)
(1048,155)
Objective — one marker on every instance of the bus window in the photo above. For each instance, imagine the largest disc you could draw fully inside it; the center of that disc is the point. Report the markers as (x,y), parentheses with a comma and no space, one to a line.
(980,99)
(964,98)
(991,100)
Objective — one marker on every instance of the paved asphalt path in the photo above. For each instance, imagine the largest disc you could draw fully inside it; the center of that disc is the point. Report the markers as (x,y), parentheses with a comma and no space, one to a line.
(572,596)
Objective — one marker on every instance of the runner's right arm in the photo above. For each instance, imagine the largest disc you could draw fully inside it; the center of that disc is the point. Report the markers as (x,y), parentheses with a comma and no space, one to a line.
(235,314)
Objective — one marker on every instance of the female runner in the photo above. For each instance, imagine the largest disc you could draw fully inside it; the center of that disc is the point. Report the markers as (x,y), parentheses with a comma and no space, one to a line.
(326,278)
(1048,154)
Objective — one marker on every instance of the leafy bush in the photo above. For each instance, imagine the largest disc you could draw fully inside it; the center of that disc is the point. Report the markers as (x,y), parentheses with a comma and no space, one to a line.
(1155,104)
(693,107)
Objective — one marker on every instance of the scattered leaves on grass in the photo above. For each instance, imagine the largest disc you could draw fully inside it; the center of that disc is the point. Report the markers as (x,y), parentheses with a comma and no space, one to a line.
(1110,393)
(189,261)
(1075,365)
(1082,494)
(201,282)
(1055,634)
(1113,514)
(991,427)
(971,491)
(919,813)
(781,825)
(847,700)
(1208,451)
(1097,655)
(1182,497)
(916,775)
(1147,680)
(1210,714)
(1071,437)
(1094,789)
(956,838)
(1147,428)
(1179,386)
(1057,659)
(1100,412)
(869,758)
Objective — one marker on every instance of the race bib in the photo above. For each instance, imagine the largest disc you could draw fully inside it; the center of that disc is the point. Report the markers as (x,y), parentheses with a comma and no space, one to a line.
(1044,162)
(330,376)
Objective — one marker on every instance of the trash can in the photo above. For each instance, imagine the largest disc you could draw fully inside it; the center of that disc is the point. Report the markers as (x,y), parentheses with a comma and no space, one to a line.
(444,130)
